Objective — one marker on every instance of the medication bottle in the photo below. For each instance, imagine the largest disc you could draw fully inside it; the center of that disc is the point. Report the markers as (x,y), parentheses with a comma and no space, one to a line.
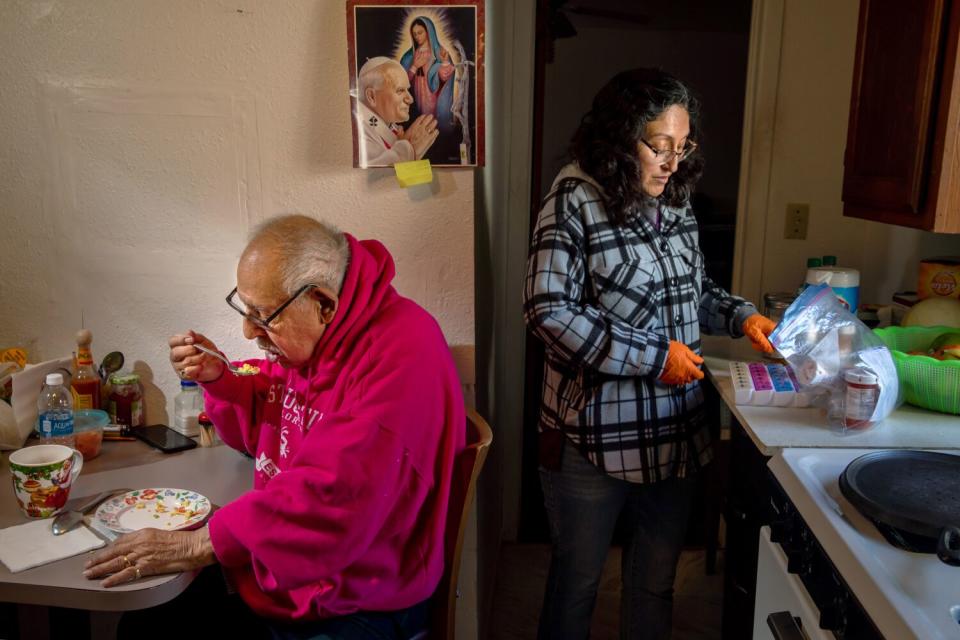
(187,407)
(863,392)
(55,412)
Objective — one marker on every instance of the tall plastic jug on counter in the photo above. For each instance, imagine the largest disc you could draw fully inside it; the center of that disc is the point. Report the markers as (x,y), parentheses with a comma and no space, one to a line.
(812,263)
(55,411)
(844,281)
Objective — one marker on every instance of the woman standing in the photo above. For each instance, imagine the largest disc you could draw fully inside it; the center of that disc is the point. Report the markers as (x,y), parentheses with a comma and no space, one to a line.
(616,290)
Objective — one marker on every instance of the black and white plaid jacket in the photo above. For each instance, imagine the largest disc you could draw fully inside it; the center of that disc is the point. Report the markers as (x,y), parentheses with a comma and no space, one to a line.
(606,300)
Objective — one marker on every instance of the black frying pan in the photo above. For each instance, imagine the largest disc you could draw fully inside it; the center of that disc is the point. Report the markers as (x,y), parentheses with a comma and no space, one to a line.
(917,492)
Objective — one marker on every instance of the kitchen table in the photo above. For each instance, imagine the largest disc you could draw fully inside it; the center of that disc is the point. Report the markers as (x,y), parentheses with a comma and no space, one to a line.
(219,472)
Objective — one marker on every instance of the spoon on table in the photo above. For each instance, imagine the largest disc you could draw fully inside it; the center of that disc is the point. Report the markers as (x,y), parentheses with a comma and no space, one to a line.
(67,520)
(245,370)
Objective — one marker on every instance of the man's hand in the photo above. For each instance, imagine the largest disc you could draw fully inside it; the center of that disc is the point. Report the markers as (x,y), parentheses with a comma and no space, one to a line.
(150,552)
(682,365)
(190,363)
(421,134)
(757,328)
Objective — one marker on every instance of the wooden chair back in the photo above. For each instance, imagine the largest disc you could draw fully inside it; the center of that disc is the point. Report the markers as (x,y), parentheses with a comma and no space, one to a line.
(464,486)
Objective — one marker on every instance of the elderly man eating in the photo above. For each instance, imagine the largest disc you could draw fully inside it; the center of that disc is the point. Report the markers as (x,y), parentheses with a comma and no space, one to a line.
(354,422)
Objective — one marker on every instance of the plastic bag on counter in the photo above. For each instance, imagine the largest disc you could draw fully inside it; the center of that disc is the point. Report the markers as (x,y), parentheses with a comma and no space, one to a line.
(18,419)
(839,359)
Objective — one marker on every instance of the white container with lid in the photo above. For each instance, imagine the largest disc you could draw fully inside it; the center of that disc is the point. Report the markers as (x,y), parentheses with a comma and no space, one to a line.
(187,407)
(844,281)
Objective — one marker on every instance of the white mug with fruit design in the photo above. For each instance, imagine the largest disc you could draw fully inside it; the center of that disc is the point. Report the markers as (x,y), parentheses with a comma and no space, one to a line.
(42,477)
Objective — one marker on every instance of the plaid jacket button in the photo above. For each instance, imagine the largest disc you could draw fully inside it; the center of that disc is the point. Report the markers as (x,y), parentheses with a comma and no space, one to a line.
(678,319)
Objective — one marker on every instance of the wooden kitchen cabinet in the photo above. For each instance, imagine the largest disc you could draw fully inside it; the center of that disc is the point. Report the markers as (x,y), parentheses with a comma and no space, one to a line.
(902,161)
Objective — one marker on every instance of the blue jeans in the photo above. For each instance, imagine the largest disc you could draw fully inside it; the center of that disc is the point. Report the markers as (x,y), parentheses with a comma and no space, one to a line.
(583,505)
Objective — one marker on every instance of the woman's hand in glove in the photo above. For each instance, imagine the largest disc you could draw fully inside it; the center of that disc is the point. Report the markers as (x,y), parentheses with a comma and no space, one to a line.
(682,365)
(757,328)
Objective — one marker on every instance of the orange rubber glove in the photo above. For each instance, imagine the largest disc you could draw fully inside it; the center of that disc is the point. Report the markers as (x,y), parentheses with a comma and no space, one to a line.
(757,328)
(682,365)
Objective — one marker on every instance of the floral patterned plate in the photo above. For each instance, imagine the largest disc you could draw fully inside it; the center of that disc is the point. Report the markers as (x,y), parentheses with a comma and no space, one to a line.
(167,509)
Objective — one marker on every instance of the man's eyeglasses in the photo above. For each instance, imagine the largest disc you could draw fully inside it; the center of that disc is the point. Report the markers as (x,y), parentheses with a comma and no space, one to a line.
(666,156)
(264,323)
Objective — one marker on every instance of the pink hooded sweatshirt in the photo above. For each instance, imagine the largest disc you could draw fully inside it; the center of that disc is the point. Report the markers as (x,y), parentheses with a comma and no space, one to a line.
(354,457)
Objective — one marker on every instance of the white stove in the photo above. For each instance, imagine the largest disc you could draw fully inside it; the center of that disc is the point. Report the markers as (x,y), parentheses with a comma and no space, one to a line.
(905,595)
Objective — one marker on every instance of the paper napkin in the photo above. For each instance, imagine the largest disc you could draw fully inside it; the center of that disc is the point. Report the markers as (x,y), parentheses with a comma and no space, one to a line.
(33,544)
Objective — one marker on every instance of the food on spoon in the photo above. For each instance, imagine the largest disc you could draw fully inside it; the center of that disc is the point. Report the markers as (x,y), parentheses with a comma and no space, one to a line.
(247,369)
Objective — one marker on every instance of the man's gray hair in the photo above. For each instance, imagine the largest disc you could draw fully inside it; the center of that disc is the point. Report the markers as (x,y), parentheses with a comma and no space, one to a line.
(371,75)
(311,251)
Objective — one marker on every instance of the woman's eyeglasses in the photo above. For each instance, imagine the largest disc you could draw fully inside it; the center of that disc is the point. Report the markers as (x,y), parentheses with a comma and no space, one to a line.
(666,156)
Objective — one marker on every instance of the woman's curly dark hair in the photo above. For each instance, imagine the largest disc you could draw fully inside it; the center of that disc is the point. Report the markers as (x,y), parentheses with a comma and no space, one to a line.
(605,144)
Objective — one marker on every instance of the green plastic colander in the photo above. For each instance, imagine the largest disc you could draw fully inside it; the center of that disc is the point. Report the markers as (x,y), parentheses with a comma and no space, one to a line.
(926,382)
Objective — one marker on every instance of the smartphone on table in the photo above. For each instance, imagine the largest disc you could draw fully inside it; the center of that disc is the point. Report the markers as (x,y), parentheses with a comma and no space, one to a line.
(162,437)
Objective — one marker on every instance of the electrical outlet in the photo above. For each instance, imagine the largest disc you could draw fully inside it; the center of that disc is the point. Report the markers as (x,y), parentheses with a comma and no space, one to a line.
(798,215)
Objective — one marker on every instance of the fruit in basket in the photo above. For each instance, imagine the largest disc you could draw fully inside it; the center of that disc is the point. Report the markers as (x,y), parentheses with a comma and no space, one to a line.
(925,382)
(933,312)
(946,346)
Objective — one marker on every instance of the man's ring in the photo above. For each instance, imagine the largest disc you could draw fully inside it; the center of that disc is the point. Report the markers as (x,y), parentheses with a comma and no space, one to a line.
(126,562)
(183,373)
(137,569)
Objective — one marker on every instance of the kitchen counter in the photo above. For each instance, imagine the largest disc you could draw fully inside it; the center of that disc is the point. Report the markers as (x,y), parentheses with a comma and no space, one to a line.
(774,428)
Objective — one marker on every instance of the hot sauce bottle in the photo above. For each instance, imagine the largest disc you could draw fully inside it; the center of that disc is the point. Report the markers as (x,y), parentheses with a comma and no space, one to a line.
(85,384)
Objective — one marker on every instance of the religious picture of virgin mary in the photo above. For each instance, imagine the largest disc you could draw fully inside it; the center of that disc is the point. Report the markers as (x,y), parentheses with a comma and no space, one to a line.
(416,81)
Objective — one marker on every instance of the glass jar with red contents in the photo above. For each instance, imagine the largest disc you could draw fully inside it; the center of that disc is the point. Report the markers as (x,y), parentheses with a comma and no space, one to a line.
(126,400)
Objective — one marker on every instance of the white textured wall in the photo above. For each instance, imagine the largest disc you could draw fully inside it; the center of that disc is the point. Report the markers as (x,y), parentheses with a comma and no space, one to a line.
(139,140)
(810,134)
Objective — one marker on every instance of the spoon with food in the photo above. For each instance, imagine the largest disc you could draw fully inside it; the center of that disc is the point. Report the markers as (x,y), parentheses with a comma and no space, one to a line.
(246,369)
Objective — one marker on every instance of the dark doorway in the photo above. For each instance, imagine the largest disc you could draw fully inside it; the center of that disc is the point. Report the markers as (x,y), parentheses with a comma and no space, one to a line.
(580,45)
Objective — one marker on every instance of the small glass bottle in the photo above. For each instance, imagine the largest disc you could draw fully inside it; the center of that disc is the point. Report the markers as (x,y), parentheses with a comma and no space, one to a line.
(187,407)
(85,383)
(126,400)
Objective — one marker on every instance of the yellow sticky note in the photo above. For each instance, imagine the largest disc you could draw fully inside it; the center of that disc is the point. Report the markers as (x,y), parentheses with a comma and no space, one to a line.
(413,172)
